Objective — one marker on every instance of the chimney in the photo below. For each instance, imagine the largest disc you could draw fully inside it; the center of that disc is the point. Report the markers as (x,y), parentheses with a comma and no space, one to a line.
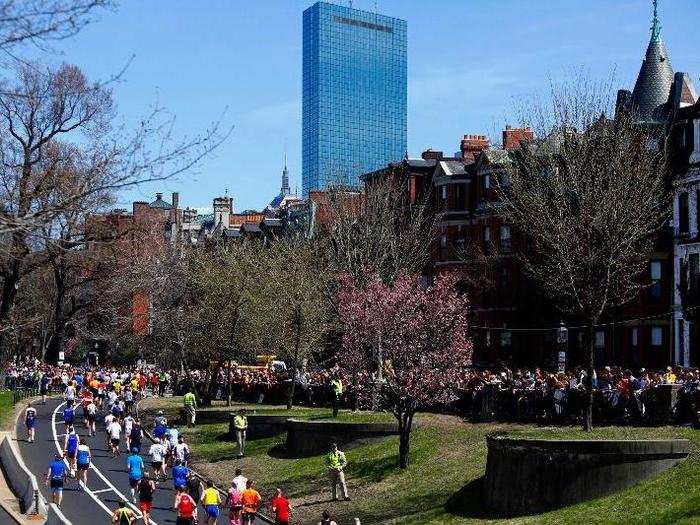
(431,155)
(139,208)
(176,200)
(472,145)
(512,137)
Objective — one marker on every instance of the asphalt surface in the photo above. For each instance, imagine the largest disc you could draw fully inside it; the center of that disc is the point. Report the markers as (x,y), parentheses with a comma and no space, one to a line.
(5,517)
(108,480)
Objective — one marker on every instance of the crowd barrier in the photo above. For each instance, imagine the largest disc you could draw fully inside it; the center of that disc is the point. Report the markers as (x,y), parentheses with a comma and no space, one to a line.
(22,482)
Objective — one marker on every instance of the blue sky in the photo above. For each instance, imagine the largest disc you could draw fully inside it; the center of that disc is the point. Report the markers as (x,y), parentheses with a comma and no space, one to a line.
(468,60)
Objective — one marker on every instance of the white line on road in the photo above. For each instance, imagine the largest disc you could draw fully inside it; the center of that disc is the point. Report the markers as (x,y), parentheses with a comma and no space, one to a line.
(100,491)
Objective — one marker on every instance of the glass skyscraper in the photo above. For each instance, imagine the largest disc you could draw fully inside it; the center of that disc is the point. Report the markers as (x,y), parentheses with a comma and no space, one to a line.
(354,94)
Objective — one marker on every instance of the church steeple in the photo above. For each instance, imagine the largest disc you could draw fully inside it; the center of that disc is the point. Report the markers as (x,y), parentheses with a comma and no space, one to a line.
(284,191)
(653,86)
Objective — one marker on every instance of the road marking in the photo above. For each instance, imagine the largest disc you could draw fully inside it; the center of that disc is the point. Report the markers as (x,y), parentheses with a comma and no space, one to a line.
(101,491)
(101,476)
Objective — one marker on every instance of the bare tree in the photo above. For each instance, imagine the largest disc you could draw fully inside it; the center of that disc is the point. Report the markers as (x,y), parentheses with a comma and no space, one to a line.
(57,105)
(589,199)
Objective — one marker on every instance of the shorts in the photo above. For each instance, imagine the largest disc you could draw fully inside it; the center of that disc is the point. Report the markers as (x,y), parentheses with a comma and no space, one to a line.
(56,486)
(70,454)
(145,506)
(69,421)
(157,465)
(30,423)
(133,482)
(212,511)
(83,466)
(101,396)
(114,442)
(90,418)
(184,521)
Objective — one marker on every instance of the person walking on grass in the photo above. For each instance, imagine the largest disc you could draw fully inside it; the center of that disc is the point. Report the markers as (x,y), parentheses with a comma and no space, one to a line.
(55,478)
(251,500)
(281,507)
(336,462)
(83,458)
(123,515)
(211,501)
(240,425)
(30,422)
(146,488)
(190,402)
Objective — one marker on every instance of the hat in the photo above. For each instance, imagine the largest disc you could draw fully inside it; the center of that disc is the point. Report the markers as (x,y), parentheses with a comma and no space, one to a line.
(160,412)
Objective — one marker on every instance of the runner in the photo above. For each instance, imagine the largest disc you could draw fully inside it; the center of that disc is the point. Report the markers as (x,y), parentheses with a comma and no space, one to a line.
(83,458)
(146,488)
(171,435)
(69,416)
(186,508)
(91,416)
(250,499)
(69,394)
(180,473)
(194,486)
(135,466)
(85,400)
(123,515)
(160,426)
(136,435)
(157,453)
(128,400)
(70,448)
(182,451)
(128,423)
(114,431)
(281,507)
(44,387)
(55,477)
(30,421)
(210,501)
(233,502)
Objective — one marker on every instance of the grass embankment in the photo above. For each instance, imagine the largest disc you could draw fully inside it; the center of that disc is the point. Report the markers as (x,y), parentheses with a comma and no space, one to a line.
(443,483)
(6,410)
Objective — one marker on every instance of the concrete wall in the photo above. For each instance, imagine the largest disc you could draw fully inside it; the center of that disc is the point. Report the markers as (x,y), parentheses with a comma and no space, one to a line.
(309,438)
(22,482)
(527,476)
(205,417)
(261,426)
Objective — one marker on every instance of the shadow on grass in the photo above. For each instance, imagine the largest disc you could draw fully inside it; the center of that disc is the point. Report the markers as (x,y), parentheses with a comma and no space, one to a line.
(468,502)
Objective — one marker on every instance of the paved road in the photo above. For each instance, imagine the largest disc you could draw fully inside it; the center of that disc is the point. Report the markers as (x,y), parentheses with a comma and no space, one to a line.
(5,517)
(108,480)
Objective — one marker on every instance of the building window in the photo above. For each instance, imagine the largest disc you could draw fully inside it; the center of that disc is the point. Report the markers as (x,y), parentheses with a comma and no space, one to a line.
(505,238)
(506,338)
(655,272)
(683,213)
(635,336)
(443,192)
(600,339)
(487,182)
(657,336)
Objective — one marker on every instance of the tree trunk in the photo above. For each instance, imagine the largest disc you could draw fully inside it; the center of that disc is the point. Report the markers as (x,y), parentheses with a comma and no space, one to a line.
(7,301)
(405,423)
(229,384)
(590,364)
(59,319)
(295,365)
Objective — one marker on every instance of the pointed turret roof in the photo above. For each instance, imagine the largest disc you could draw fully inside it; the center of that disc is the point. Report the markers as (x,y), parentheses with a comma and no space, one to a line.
(653,86)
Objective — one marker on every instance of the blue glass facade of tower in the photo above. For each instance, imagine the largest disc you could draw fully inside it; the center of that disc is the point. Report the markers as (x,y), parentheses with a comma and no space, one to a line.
(354,94)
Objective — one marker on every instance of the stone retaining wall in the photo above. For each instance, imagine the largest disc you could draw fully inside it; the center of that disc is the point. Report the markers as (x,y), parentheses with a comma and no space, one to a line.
(308,438)
(527,476)
(261,426)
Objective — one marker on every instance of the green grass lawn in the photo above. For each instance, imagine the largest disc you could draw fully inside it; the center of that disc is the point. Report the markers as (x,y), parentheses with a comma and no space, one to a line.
(443,482)
(6,407)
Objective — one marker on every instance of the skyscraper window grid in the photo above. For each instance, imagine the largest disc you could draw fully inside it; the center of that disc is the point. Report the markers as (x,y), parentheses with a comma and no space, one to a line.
(354,94)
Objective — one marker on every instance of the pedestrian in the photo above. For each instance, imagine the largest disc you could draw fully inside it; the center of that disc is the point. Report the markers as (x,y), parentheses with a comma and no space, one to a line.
(114,431)
(240,425)
(70,448)
(123,515)
(250,499)
(336,393)
(190,402)
(55,477)
(83,458)
(335,464)
(134,464)
(281,507)
(30,422)
(233,501)
(211,501)
(180,473)
(240,480)
(186,508)
(146,488)
(326,518)
(157,453)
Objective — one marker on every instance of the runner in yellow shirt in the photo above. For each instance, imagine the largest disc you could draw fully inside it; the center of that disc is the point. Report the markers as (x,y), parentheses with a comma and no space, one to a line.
(211,500)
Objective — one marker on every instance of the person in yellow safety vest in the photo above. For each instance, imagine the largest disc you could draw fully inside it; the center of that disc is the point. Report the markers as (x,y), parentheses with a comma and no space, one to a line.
(190,402)
(335,463)
(240,425)
(336,393)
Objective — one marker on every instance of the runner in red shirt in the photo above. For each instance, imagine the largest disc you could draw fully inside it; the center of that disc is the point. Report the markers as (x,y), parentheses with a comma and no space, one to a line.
(282,508)
(185,506)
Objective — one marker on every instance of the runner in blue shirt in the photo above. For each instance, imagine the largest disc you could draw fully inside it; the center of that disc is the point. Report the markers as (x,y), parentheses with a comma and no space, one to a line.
(68,415)
(55,476)
(83,457)
(30,422)
(70,447)
(135,465)
(180,473)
